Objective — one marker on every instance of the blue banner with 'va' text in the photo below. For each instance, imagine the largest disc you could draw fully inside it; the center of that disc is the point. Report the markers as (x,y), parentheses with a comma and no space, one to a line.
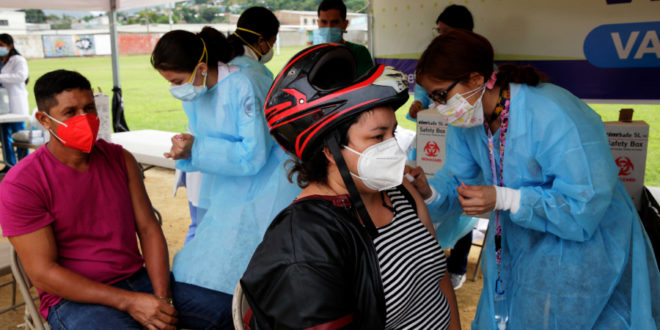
(622,63)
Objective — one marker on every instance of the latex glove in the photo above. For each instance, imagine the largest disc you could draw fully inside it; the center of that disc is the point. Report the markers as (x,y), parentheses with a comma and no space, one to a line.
(476,200)
(181,146)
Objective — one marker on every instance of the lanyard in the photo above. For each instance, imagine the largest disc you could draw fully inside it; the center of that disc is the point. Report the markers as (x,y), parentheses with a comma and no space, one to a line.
(503,109)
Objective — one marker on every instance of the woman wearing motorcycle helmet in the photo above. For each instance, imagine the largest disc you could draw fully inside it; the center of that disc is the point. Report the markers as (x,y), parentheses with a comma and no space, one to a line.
(356,249)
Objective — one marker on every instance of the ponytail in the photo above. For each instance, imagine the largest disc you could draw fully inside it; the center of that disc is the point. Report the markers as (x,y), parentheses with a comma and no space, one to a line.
(511,73)
(180,50)
(217,45)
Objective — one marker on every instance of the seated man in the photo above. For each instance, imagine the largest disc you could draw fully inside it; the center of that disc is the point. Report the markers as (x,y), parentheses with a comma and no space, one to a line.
(332,24)
(72,210)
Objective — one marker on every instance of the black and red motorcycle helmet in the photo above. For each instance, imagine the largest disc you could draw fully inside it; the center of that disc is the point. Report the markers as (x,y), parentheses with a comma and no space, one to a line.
(318,90)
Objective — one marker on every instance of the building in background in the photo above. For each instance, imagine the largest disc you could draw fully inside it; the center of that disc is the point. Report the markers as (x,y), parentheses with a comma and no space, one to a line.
(12,22)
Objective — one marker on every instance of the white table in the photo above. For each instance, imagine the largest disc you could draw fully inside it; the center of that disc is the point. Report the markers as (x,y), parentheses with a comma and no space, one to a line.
(147,146)
(11,118)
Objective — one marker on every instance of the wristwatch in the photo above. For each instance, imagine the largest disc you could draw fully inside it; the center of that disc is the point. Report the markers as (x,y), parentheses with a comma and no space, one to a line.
(167,299)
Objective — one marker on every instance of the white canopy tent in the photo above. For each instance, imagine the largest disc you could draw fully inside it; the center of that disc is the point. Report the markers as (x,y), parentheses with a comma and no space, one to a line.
(109,6)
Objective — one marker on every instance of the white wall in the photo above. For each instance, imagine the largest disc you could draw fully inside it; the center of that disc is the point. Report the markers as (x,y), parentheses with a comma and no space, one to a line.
(531,28)
(15,20)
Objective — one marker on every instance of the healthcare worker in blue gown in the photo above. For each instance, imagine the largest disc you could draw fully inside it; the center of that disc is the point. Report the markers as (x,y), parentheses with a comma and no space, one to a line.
(565,248)
(244,183)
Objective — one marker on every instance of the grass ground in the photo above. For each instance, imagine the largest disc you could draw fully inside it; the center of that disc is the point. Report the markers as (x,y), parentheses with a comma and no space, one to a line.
(148,103)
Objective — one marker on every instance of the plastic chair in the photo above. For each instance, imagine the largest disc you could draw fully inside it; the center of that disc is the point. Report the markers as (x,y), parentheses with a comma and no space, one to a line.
(5,269)
(239,307)
(32,317)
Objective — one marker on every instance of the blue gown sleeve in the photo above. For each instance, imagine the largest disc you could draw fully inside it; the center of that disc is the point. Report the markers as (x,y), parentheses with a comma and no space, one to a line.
(574,157)
(234,155)
(460,163)
(421,95)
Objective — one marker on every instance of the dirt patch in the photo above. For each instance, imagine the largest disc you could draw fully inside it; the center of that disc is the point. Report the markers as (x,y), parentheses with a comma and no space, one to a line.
(176,220)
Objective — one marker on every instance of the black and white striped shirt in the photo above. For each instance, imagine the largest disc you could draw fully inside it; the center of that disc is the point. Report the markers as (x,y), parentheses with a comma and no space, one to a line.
(411,266)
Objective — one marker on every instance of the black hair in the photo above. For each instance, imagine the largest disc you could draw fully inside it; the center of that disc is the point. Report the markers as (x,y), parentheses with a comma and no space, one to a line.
(55,82)
(457,17)
(180,50)
(457,53)
(8,40)
(523,74)
(333,4)
(315,168)
(256,19)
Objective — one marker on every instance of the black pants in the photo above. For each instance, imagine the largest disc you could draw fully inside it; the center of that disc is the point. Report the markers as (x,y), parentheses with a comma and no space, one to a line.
(457,261)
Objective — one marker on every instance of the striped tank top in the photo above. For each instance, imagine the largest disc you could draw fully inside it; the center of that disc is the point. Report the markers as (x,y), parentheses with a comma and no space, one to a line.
(411,267)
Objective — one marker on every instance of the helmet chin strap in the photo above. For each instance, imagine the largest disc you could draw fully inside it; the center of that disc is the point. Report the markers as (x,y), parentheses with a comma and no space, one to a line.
(333,143)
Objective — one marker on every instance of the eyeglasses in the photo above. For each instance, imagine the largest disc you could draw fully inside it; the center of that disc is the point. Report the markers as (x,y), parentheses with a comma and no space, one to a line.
(439,96)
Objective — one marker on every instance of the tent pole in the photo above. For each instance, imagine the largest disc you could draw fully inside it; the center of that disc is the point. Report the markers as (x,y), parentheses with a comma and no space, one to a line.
(117,110)
(370,27)
(114,48)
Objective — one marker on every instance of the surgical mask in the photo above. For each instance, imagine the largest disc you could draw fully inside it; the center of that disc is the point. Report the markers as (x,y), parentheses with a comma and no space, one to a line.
(458,112)
(381,166)
(326,34)
(4,51)
(188,92)
(78,132)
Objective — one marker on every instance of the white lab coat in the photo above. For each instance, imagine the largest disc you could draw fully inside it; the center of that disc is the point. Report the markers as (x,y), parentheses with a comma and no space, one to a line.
(12,76)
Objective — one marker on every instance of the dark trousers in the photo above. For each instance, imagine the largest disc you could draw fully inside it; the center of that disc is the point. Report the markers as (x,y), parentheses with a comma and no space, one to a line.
(457,261)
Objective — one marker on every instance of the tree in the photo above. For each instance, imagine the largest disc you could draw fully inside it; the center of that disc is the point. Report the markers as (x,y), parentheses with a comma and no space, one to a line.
(307,5)
(208,14)
(60,23)
(34,16)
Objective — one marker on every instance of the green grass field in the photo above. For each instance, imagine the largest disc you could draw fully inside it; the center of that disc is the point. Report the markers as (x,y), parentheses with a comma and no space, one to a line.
(149,105)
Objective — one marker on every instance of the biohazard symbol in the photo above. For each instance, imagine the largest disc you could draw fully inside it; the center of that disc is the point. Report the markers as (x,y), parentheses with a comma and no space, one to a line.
(431,149)
(625,165)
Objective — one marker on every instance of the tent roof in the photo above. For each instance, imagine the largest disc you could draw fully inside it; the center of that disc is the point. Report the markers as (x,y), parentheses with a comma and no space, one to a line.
(85,5)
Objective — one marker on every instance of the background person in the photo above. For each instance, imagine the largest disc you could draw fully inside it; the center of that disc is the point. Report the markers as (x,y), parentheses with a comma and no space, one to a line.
(332,24)
(74,210)
(255,37)
(244,184)
(255,45)
(13,77)
(452,17)
(320,265)
(565,248)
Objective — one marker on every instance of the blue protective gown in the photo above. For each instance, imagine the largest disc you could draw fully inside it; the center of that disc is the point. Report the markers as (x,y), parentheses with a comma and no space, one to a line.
(575,255)
(244,182)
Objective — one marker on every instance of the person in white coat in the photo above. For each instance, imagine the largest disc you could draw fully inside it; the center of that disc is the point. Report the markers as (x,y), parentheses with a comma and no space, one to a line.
(13,77)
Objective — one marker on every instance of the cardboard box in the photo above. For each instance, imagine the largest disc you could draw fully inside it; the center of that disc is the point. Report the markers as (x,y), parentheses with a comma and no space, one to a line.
(103,112)
(628,143)
(431,133)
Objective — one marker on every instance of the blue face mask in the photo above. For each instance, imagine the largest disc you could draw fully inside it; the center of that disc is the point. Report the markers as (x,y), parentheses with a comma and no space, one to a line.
(188,92)
(326,34)
(4,51)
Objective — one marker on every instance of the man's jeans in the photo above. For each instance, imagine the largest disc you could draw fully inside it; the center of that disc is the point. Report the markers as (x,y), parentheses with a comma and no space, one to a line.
(197,308)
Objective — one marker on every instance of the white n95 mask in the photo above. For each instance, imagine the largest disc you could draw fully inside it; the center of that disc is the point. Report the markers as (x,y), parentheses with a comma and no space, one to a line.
(381,166)
(460,113)
(267,57)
